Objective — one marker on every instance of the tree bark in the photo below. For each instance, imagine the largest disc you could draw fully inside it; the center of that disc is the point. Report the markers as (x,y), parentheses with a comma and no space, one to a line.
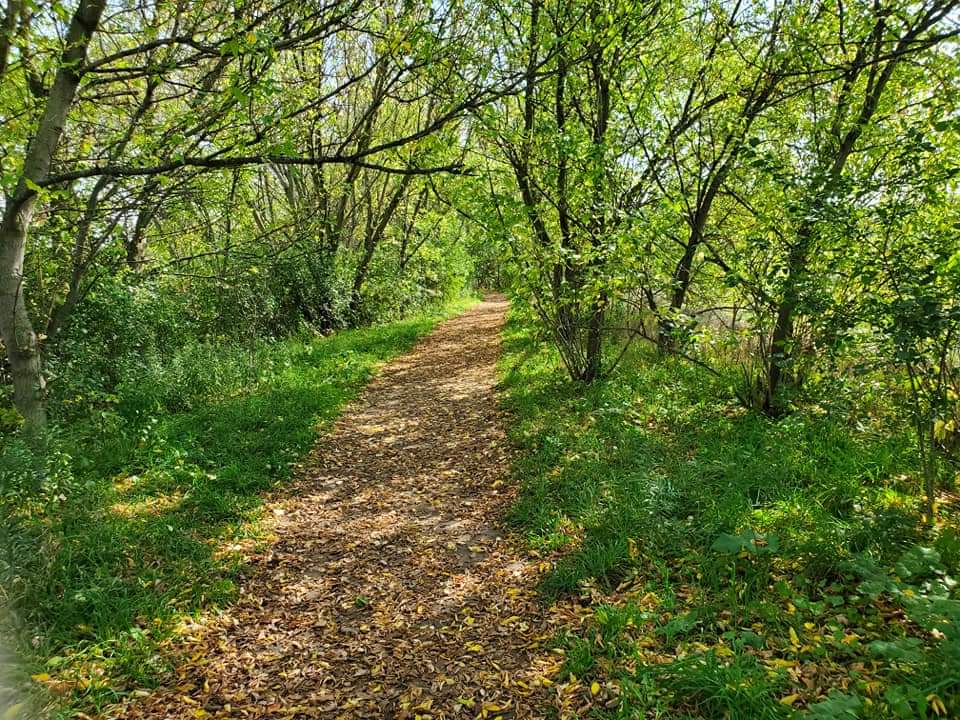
(8,25)
(593,360)
(683,272)
(781,352)
(19,339)
(16,328)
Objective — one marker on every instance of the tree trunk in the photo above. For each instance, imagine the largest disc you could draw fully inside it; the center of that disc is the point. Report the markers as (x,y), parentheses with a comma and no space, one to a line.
(880,71)
(136,244)
(683,273)
(781,352)
(372,238)
(666,336)
(62,312)
(8,26)
(83,254)
(19,338)
(593,367)
(359,277)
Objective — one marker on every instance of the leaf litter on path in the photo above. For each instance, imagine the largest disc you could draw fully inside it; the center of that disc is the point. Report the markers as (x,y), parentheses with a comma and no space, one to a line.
(391,590)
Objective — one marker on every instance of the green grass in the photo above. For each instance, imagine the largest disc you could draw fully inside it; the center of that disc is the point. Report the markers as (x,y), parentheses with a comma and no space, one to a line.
(146,511)
(742,560)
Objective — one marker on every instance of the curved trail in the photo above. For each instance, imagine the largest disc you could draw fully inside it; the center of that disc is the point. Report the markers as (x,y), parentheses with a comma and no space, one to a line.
(390,591)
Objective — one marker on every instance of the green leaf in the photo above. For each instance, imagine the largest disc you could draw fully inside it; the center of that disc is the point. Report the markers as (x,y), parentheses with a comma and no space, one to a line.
(747,541)
(917,561)
(906,701)
(837,706)
(904,650)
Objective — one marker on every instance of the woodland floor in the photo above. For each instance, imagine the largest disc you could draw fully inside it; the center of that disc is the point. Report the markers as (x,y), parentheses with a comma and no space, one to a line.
(391,589)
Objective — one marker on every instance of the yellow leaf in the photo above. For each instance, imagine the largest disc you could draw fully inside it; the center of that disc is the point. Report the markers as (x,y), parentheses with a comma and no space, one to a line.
(595,688)
(939,429)
(789,699)
(794,640)
(41,677)
(474,647)
(936,704)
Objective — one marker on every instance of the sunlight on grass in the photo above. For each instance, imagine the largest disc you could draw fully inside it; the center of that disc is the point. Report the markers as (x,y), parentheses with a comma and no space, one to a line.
(171,506)
(732,556)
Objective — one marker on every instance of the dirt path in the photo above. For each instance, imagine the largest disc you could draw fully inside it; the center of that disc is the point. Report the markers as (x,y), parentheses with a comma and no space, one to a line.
(390,591)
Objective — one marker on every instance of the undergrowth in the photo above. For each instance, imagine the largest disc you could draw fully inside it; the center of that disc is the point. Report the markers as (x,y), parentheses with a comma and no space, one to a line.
(734,566)
(117,525)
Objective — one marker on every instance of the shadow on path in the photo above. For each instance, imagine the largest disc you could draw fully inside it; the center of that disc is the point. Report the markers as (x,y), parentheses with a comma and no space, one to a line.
(390,591)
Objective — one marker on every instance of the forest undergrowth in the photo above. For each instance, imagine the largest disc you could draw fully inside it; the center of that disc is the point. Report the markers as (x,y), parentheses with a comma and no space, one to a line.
(733,565)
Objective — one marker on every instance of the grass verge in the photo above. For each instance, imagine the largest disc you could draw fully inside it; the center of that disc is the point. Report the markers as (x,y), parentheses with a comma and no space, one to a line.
(731,566)
(122,525)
